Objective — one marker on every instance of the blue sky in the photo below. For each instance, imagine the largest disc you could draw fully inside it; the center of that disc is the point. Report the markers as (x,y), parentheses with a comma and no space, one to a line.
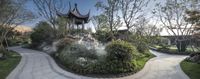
(83,5)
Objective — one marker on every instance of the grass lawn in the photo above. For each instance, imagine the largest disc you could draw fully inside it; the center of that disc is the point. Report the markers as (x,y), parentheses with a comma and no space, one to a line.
(172,49)
(6,66)
(191,69)
(142,60)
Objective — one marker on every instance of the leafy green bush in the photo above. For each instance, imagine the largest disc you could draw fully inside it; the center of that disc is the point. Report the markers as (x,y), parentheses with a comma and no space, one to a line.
(18,41)
(121,51)
(142,47)
(164,47)
(64,42)
(121,56)
(103,36)
(140,42)
(42,33)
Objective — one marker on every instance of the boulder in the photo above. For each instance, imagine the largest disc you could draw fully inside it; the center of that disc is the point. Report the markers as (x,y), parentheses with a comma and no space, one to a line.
(48,49)
(56,45)
(42,45)
(194,57)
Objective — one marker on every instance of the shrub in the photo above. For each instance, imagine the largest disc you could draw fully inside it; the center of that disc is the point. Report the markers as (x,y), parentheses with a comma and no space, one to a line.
(121,56)
(121,51)
(142,47)
(102,36)
(64,42)
(164,47)
(42,33)
(140,42)
(78,58)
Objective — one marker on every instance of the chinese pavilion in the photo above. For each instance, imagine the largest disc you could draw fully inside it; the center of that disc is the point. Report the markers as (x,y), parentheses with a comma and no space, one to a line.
(75,17)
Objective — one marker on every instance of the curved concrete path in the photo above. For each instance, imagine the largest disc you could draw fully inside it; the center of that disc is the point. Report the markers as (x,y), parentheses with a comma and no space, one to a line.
(164,66)
(38,65)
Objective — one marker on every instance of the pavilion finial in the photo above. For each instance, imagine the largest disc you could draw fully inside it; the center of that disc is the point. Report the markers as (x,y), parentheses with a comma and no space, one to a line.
(75,5)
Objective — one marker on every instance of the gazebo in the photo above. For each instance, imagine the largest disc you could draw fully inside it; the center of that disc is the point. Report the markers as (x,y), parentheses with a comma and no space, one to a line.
(75,17)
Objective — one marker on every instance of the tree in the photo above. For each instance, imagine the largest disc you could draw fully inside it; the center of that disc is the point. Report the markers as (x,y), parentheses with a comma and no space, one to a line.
(111,12)
(42,33)
(12,14)
(193,17)
(48,9)
(171,15)
(144,34)
(63,26)
(100,21)
(132,10)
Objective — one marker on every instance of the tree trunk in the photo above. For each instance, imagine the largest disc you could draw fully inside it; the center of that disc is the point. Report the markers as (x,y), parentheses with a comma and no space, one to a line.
(2,48)
(111,32)
(181,45)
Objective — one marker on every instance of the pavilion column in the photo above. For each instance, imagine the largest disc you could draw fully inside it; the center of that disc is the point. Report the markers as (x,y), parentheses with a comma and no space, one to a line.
(69,26)
(77,26)
(73,23)
(77,29)
(83,27)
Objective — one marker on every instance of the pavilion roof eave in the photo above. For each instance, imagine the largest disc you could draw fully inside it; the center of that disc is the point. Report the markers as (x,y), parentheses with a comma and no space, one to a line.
(76,12)
(78,15)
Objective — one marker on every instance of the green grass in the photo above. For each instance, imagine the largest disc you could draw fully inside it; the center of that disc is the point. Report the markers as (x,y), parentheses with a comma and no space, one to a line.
(189,49)
(172,49)
(7,65)
(142,60)
(191,69)
(157,46)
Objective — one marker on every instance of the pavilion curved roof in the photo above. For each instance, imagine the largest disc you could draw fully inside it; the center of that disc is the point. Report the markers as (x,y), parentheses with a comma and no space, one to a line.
(75,13)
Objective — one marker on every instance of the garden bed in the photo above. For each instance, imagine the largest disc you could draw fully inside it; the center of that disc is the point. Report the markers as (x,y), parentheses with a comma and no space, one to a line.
(191,69)
(141,63)
(8,64)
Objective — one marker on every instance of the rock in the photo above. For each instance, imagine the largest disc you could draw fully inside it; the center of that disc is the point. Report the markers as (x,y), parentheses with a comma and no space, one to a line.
(42,45)
(81,61)
(56,45)
(48,49)
(194,57)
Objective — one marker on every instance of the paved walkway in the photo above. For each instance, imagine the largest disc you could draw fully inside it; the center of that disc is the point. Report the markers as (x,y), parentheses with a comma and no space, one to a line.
(163,66)
(38,65)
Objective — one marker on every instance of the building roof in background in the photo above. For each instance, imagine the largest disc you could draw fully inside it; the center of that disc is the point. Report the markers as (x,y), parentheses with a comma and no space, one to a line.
(167,32)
